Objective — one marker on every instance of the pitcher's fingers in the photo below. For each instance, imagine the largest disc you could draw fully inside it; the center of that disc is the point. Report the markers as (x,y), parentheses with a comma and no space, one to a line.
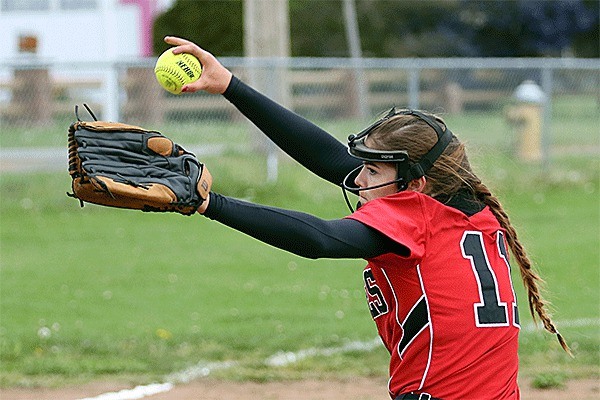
(185,46)
(214,79)
(191,49)
(176,41)
(193,87)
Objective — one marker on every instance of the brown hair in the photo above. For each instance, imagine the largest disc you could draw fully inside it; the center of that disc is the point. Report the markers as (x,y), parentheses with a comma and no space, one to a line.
(451,174)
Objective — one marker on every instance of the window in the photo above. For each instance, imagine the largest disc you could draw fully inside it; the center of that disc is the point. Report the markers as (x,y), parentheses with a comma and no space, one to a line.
(46,5)
(78,4)
(24,5)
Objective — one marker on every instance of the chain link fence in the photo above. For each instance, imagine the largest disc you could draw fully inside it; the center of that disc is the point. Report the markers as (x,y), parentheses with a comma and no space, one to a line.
(535,108)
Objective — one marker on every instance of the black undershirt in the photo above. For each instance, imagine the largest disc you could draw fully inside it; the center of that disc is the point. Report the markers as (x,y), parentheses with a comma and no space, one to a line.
(301,233)
(315,149)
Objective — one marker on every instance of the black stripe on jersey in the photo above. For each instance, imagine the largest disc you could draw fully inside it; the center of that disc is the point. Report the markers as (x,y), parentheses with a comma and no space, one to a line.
(416,320)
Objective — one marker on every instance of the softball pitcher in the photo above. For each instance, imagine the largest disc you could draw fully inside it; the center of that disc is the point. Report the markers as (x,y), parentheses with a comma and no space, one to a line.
(436,240)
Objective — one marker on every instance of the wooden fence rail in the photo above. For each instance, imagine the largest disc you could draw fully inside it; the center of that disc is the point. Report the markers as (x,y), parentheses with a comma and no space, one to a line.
(36,97)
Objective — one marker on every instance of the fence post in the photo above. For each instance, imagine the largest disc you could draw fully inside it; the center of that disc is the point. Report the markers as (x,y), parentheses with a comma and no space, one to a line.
(547,88)
(453,97)
(32,96)
(111,109)
(143,97)
(276,90)
(413,88)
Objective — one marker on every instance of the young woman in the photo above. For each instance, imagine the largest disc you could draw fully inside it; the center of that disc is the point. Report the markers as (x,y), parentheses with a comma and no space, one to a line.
(435,239)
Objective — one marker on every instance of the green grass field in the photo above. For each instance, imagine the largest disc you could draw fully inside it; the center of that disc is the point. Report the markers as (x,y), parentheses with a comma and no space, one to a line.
(95,293)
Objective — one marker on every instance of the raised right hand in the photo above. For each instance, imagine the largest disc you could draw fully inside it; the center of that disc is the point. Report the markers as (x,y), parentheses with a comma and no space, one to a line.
(214,78)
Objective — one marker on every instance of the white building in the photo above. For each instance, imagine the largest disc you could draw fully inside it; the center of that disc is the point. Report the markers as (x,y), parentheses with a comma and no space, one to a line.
(90,30)
(75,41)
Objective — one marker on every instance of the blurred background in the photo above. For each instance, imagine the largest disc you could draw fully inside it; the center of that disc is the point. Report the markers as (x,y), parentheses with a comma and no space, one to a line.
(517,80)
(523,61)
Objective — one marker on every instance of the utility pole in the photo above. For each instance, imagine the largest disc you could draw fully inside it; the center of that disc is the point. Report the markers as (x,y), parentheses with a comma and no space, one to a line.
(353,37)
(266,28)
(267,34)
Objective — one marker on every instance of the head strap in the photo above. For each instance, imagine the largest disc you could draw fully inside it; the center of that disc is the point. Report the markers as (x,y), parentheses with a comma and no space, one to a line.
(358,149)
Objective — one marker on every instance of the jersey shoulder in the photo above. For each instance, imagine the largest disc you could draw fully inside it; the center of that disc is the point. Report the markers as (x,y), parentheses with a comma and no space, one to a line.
(401,217)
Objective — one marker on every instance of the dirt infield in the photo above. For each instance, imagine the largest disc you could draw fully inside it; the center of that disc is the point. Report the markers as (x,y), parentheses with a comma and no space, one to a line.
(356,389)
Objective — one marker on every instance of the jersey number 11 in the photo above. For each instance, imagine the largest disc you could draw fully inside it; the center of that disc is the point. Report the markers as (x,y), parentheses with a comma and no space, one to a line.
(490,311)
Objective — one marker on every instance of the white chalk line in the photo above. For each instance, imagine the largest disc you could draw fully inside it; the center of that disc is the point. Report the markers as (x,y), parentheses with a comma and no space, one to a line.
(137,392)
(281,359)
(204,369)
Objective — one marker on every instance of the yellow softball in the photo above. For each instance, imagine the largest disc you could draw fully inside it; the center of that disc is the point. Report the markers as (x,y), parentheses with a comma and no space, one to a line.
(175,70)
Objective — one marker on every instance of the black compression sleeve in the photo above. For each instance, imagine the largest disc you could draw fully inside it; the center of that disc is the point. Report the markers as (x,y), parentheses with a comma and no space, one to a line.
(300,233)
(305,142)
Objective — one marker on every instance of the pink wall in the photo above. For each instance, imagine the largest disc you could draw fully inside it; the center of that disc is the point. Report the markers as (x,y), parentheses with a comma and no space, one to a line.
(147,9)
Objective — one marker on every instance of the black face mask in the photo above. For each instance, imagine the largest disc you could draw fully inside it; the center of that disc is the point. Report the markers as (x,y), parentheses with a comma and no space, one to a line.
(405,170)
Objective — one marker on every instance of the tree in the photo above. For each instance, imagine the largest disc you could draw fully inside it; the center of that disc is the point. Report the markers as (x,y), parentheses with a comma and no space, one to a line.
(522,28)
(407,28)
(393,28)
(216,25)
(317,29)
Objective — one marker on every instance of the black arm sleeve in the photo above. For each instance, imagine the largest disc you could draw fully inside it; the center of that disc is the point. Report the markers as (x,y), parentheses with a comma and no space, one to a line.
(300,233)
(305,142)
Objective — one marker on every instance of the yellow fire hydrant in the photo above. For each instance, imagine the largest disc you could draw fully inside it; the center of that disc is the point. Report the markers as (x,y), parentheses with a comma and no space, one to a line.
(526,116)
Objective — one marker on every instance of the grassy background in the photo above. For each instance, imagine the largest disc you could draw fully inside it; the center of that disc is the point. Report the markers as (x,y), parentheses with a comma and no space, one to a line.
(92,292)
(574,123)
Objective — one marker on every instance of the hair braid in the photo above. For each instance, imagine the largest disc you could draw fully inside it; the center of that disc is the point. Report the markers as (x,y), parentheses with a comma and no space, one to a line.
(537,305)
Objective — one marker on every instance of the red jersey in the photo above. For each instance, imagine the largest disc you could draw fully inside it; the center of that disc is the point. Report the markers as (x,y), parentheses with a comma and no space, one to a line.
(446,311)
